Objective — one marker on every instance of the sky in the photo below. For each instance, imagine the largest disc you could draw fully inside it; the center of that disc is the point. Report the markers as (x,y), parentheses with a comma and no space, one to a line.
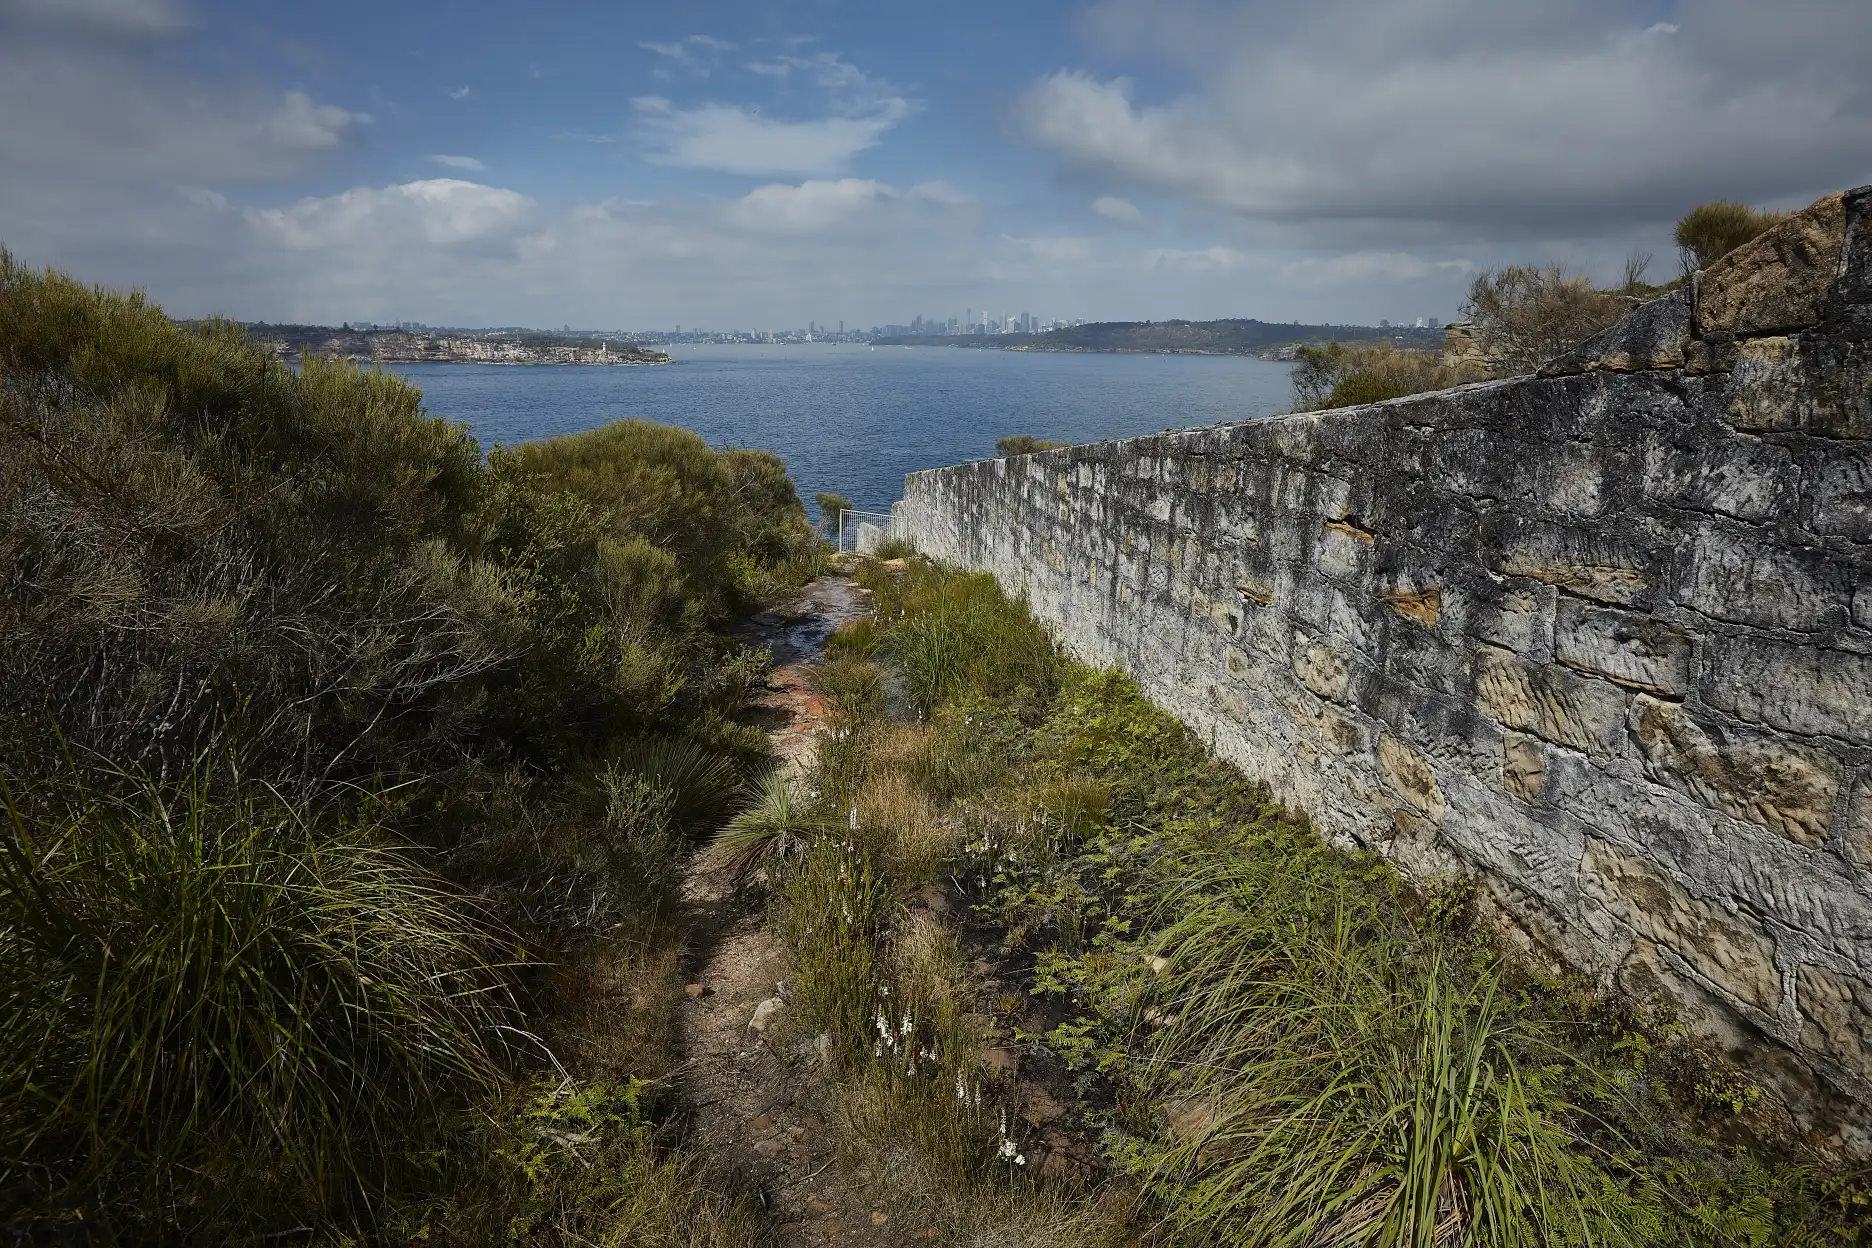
(750,164)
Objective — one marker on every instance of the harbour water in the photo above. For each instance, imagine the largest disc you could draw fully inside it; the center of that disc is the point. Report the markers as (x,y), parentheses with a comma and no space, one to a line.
(852,419)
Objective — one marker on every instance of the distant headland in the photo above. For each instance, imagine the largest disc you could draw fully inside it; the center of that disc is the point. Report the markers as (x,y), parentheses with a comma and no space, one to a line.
(1226,337)
(399,345)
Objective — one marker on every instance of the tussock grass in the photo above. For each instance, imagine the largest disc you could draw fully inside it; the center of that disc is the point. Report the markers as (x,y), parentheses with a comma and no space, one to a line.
(775,823)
(203,978)
(1282,1042)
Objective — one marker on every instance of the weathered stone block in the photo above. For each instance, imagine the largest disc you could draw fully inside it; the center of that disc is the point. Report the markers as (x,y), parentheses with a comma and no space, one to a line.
(1549,702)
(1742,477)
(1862,607)
(1585,561)
(1524,766)
(1421,606)
(1841,495)
(1729,951)
(1779,281)
(1765,386)
(1797,688)
(1518,617)
(1652,335)
(1859,822)
(1623,646)
(1323,670)
(1789,788)
(1836,1016)
(1739,576)
(1409,773)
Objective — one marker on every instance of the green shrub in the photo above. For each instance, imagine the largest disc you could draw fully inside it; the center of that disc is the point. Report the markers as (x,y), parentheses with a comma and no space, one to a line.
(214,1010)
(830,505)
(1340,376)
(1711,231)
(1024,444)
(511,675)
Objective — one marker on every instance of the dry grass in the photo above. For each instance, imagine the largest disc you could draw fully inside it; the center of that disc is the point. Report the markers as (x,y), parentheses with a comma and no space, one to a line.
(935,1158)
(893,802)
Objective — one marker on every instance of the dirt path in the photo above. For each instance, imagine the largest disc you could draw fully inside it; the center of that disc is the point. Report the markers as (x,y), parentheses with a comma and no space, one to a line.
(756,1101)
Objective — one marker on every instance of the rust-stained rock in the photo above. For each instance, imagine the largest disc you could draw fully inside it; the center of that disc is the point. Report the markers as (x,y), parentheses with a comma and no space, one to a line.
(1411,775)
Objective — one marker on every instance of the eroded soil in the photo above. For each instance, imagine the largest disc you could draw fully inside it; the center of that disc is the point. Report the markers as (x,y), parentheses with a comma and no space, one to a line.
(759,1103)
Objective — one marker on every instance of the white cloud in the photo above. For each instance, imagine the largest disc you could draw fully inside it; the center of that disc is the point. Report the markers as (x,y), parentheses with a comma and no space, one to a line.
(468,163)
(814,205)
(734,139)
(1508,121)
(1123,211)
(299,123)
(440,212)
(121,18)
(458,93)
(697,54)
(1368,267)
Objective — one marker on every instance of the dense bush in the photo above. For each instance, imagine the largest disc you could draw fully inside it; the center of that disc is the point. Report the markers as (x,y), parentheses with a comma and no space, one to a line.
(1708,232)
(1526,315)
(288,673)
(1336,375)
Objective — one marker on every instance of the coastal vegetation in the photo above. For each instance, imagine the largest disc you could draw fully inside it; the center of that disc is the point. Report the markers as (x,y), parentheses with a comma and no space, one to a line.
(345,774)
(1518,318)
(1024,444)
(1080,973)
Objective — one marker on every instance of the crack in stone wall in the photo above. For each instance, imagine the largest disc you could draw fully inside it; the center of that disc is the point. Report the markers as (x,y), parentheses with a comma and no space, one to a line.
(1601,636)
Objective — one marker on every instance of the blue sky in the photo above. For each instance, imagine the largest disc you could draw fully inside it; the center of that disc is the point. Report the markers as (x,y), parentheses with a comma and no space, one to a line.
(766,164)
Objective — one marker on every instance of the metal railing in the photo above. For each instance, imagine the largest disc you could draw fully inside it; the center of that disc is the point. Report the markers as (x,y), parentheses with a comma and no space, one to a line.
(863,531)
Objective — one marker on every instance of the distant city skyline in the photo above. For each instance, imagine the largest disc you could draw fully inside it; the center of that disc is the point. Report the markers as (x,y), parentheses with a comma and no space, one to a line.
(628,163)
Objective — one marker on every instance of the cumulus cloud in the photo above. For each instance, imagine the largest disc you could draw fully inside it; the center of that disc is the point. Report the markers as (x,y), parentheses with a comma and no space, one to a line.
(440,212)
(738,139)
(468,163)
(1499,119)
(1123,211)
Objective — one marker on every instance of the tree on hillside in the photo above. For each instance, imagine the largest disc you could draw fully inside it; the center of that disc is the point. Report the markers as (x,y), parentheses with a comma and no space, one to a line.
(1708,232)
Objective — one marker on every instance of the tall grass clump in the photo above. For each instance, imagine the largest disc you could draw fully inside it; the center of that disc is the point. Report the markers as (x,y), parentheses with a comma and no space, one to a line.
(1338,1091)
(202,981)
(952,632)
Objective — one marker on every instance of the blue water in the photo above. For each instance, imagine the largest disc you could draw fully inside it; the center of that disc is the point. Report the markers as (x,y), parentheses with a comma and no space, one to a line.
(853,420)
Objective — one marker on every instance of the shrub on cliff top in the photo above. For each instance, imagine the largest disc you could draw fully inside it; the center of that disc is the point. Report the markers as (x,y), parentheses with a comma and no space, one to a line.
(1336,375)
(1024,444)
(1526,315)
(1708,232)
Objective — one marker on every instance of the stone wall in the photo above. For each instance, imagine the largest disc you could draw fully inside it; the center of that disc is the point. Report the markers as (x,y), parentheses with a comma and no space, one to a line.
(1600,637)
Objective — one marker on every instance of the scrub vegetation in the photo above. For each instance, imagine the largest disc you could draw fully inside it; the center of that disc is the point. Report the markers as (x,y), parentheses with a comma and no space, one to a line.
(1268,1040)
(345,774)
(1520,317)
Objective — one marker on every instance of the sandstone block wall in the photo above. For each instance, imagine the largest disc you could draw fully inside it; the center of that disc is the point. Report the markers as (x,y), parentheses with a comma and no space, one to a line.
(1600,637)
